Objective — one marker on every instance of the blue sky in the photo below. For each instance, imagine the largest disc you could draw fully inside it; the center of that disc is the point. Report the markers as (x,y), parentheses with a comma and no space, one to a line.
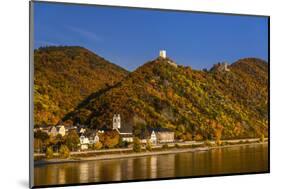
(131,37)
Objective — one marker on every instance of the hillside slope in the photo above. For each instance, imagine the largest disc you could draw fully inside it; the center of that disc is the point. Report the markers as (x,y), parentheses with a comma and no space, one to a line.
(195,104)
(63,76)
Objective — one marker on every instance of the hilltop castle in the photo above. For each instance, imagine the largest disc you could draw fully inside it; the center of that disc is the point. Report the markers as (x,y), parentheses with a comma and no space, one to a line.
(223,66)
(163,55)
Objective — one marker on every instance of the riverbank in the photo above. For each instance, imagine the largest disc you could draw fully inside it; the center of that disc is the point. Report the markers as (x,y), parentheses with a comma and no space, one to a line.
(121,155)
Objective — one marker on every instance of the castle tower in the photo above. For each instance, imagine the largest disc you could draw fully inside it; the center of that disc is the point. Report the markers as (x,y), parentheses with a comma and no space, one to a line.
(116,121)
(162,53)
(225,66)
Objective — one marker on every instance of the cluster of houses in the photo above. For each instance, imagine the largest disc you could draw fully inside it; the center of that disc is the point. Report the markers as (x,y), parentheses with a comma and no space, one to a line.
(155,135)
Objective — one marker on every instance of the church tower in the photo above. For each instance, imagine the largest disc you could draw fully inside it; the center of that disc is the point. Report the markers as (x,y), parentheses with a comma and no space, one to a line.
(116,121)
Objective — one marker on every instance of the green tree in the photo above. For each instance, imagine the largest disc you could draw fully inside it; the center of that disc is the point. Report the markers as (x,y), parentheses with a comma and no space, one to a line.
(148,145)
(64,151)
(72,140)
(38,145)
(49,152)
(43,136)
(262,138)
(136,144)
(218,132)
(59,139)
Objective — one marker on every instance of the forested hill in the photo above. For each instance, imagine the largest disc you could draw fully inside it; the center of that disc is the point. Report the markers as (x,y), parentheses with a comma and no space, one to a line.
(64,76)
(195,104)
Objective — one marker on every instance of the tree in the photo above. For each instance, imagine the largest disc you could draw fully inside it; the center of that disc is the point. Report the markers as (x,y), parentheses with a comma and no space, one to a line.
(38,145)
(262,138)
(64,151)
(58,141)
(148,145)
(98,145)
(111,139)
(41,135)
(44,138)
(122,144)
(72,140)
(217,132)
(49,152)
(136,144)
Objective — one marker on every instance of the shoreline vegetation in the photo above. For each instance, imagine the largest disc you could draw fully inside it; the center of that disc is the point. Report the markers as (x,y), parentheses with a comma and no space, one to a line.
(156,150)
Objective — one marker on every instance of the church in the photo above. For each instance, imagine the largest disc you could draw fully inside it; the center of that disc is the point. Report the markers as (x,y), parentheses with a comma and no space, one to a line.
(126,133)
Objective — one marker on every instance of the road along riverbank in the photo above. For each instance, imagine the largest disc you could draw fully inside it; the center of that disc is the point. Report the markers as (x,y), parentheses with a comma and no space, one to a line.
(131,154)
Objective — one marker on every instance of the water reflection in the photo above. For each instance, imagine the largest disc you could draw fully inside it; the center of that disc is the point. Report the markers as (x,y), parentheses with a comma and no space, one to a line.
(152,166)
(253,158)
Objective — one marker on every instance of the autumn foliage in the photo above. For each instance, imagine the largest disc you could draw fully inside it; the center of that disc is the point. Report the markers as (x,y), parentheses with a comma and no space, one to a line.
(74,85)
(197,105)
(65,76)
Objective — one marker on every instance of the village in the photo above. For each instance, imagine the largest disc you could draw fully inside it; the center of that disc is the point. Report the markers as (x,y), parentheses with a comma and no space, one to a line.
(80,140)
(90,137)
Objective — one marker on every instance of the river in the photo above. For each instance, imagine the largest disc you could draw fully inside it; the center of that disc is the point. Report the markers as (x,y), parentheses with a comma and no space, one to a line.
(239,159)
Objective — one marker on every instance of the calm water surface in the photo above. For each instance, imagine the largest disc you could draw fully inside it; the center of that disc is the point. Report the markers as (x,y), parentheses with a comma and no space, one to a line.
(243,159)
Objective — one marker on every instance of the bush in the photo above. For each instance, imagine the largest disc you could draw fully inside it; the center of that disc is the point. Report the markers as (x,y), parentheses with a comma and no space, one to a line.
(122,144)
(218,142)
(207,143)
(262,138)
(195,146)
(148,145)
(49,153)
(136,145)
(198,137)
(98,145)
(64,151)
(226,143)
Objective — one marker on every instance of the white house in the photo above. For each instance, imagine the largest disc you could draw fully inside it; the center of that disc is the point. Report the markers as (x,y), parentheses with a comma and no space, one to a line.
(128,137)
(157,135)
(61,130)
(53,131)
(84,142)
(82,130)
(94,138)
(153,138)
